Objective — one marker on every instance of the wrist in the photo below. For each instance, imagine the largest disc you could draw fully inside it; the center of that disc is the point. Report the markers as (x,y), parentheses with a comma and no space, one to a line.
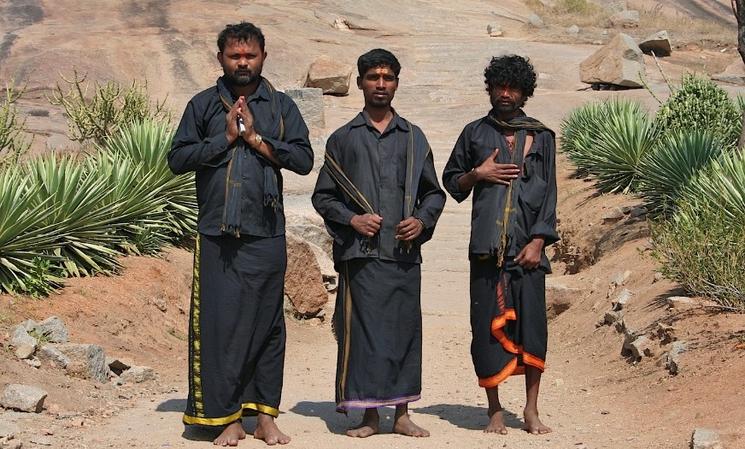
(253,139)
(476,174)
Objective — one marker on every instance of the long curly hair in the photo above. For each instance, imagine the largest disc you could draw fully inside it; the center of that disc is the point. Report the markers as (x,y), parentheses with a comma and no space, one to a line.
(511,70)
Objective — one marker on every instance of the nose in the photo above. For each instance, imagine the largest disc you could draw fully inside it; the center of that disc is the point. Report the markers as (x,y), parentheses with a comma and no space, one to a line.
(380,83)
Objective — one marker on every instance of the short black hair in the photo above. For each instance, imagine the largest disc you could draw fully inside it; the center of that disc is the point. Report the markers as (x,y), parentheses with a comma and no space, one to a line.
(378,58)
(511,70)
(243,32)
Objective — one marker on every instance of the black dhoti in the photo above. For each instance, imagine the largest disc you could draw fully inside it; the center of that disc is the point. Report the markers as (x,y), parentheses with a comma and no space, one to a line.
(508,320)
(378,322)
(237,329)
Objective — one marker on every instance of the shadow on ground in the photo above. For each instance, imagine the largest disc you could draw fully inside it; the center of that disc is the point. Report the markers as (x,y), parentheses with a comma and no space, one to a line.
(338,423)
(467,416)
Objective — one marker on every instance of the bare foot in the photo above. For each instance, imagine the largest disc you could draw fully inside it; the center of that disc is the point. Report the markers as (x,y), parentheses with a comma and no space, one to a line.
(405,426)
(533,424)
(267,430)
(231,435)
(370,425)
(496,423)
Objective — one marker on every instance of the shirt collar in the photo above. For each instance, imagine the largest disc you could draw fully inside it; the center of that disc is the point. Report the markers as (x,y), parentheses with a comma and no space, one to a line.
(364,119)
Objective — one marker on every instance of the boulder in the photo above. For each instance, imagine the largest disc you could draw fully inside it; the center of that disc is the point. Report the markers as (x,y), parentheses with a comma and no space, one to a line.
(309,101)
(303,281)
(51,356)
(23,398)
(619,63)
(310,228)
(329,75)
(658,43)
(706,439)
(86,361)
(20,337)
(137,374)
(733,74)
(628,19)
(52,330)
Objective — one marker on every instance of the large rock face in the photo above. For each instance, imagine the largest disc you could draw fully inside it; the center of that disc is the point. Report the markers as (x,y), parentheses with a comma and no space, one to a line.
(310,102)
(734,73)
(620,63)
(329,75)
(303,280)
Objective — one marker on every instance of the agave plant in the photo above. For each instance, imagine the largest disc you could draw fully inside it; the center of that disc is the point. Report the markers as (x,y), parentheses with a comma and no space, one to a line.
(579,134)
(138,213)
(625,137)
(665,171)
(26,235)
(87,231)
(148,143)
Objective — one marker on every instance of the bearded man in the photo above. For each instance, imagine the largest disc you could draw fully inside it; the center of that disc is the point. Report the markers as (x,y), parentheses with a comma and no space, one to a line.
(508,160)
(237,136)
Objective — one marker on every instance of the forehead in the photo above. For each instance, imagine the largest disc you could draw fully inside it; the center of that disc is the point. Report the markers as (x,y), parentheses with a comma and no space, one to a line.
(380,70)
(235,45)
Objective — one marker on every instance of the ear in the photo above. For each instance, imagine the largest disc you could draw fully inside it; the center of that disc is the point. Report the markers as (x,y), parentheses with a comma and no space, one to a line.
(219,57)
(359,82)
(265,55)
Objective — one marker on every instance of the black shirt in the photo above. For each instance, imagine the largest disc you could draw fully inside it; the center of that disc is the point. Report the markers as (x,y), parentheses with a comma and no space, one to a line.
(536,189)
(200,145)
(375,163)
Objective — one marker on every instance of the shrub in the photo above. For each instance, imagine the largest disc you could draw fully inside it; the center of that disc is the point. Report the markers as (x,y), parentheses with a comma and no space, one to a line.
(700,247)
(110,107)
(665,171)
(701,104)
(608,140)
(13,142)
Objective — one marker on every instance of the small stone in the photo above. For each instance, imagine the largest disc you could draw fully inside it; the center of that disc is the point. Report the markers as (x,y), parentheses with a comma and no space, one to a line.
(638,212)
(558,382)
(41,441)
(24,398)
(574,30)
(680,302)
(665,333)
(594,43)
(33,363)
(705,439)
(612,317)
(535,21)
(658,277)
(138,374)
(620,326)
(25,351)
(672,359)
(118,365)
(619,303)
(613,216)
(642,347)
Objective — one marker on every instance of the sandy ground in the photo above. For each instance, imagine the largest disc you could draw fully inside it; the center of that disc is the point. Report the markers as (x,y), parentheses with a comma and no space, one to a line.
(591,396)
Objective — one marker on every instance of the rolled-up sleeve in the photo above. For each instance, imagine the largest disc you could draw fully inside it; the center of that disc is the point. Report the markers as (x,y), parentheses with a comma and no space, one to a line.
(294,151)
(189,148)
(458,165)
(545,224)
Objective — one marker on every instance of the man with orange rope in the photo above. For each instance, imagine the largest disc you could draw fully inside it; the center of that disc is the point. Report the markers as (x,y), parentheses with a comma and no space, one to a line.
(508,160)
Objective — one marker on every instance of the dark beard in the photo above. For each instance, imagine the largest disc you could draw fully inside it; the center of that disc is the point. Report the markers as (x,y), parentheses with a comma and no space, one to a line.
(241,80)
(505,108)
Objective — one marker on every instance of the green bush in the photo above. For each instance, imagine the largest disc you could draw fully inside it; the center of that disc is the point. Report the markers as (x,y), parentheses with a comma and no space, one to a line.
(607,141)
(701,246)
(111,106)
(700,104)
(665,171)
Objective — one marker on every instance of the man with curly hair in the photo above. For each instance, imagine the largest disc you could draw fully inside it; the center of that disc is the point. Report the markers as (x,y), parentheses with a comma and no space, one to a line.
(508,160)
